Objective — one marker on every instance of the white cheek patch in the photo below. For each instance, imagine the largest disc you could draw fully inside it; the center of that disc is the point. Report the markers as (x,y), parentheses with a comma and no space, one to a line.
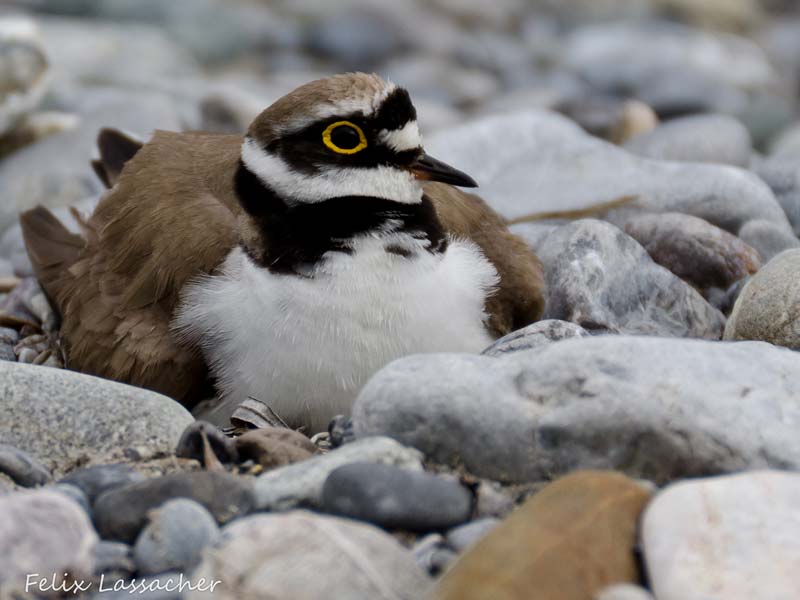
(389,183)
(405,138)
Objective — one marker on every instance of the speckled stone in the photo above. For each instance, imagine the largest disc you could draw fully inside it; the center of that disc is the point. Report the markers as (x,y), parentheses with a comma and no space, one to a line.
(61,417)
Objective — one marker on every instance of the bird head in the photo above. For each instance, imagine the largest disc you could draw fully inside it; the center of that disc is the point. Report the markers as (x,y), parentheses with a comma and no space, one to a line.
(348,135)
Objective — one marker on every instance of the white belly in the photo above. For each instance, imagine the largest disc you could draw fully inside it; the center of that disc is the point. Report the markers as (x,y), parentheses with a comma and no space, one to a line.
(306,345)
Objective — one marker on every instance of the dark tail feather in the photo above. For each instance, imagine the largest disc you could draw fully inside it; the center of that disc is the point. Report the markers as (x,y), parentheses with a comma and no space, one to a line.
(116,148)
(51,247)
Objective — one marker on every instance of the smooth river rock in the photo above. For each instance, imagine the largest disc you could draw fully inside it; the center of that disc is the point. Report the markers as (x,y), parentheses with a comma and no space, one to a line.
(535,335)
(768,307)
(63,418)
(303,555)
(567,542)
(654,408)
(603,280)
(725,538)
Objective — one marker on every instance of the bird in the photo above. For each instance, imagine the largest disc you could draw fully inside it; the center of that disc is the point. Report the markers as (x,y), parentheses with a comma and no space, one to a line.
(288,264)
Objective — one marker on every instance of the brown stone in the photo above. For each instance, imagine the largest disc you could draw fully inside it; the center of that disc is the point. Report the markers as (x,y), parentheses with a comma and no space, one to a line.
(274,447)
(567,542)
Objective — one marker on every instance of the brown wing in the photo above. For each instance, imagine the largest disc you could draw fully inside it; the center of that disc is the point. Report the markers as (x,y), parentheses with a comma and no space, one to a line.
(170,217)
(519,299)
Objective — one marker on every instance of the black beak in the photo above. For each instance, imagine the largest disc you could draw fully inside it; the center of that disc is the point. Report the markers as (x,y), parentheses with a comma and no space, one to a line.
(428,168)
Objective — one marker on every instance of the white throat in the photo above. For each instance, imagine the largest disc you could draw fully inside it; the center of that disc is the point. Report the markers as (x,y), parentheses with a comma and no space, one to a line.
(389,183)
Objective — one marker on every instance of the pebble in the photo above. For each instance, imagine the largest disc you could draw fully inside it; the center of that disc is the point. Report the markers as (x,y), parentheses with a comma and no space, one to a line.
(767,238)
(788,143)
(733,537)
(120,513)
(23,70)
(301,484)
(535,335)
(715,138)
(432,554)
(94,481)
(782,174)
(535,161)
(191,444)
(395,498)
(273,447)
(174,537)
(113,560)
(624,591)
(21,467)
(601,279)
(43,532)
(462,537)
(304,555)
(654,408)
(570,540)
(60,417)
(768,307)
(693,249)
(74,493)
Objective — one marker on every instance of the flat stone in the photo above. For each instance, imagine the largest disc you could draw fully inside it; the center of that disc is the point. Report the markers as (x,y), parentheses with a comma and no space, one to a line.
(535,335)
(733,537)
(655,408)
(43,532)
(120,514)
(62,418)
(716,139)
(567,542)
(21,467)
(601,279)
(174,538)
(693,249)
(395,498)
(98,479)
(273,447)
(536,161)
(303,555)
(302,483)
(768,308)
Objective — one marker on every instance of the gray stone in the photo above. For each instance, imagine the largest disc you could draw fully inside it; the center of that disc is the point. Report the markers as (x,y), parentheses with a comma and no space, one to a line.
(175,537)
(120,513)
(395,498)
(535,335)
(432,554)
(113,560)
(693,249)
(699,138)
(768,238)
(537,162)
(74,493)
(462,537)
(43,532)
(358,39)
(768,308)
(97,479)
(787,145)
(601,279)
(624,591)
(782,174)
(21,467)
(638,57)
(654,408)
(302,483)
(23,70)
(303,555)
(61,417)
(734,537)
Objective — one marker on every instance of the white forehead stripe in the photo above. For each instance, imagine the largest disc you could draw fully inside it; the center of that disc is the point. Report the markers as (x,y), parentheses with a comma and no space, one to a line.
(325,110)
(386,182)
(405,138)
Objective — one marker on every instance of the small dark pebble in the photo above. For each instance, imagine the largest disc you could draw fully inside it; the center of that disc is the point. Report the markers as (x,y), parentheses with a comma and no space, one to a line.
(341,431)
(120,514)
(396,498)
(22,467)
(101,478)
(191,443)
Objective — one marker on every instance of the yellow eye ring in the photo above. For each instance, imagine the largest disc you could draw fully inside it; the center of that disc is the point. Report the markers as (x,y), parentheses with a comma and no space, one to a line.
(326,138)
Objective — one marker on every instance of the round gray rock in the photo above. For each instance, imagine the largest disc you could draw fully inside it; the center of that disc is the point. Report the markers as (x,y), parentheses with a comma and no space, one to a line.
(175,537)
(395,498)
(61,417)
(768,308)
(655,408)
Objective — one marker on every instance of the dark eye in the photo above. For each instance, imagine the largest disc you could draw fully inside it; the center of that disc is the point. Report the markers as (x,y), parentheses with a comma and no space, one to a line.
(344,137)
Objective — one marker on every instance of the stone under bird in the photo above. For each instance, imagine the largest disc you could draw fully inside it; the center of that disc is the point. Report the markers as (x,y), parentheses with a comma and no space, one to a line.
(286,265)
